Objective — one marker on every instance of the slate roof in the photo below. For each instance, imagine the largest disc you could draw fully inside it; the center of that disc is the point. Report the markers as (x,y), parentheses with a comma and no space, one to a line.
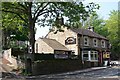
(86,32)
(54,44)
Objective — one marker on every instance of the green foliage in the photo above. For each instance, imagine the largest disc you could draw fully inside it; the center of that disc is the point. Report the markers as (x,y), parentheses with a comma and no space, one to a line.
(98,24)
(12,25)
(73,10)
(112,24)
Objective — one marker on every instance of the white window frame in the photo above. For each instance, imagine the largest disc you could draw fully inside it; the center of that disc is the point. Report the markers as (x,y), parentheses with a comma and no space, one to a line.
(85,58)
(95,42)
(89,57)
(95,56)
(86,37)
(103,43)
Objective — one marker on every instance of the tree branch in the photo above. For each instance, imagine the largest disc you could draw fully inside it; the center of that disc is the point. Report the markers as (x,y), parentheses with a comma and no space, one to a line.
(35,18)
(26,4)
(16,14)
(23,6)
(37,9)
(48,12)
(19,9)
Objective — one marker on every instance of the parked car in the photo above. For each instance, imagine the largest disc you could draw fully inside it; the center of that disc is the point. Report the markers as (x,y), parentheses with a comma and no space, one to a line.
(114,63)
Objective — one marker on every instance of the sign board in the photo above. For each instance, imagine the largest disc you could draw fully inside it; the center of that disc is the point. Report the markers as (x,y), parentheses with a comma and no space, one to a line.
(70,40)
(106,54)
(61,56)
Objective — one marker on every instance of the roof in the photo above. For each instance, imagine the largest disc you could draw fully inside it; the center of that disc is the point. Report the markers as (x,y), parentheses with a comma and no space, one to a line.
(88,33)
(54,44)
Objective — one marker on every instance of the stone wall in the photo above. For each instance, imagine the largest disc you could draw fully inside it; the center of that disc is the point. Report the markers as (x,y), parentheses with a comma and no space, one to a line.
(58,66)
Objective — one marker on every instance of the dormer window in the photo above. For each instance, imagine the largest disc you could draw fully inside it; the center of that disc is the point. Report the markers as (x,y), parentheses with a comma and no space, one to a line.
(102,43)
(95,42)
(86,41)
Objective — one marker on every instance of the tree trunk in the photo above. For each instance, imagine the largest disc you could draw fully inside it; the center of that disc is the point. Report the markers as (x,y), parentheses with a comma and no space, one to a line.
(5,40)
(31,26)
(31,34)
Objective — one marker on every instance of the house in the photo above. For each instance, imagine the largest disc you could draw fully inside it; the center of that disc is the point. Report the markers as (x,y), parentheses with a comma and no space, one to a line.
(85,43)
(51,46)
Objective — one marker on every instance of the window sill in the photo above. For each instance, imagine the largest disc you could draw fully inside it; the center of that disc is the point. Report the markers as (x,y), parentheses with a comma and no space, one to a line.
(93,60)
(86,45)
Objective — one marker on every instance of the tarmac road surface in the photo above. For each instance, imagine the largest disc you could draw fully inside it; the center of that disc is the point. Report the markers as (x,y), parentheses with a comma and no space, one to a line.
(112,73)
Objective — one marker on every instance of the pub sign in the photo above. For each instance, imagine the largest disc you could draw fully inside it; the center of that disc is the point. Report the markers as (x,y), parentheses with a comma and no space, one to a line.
(106,55)
(70,40)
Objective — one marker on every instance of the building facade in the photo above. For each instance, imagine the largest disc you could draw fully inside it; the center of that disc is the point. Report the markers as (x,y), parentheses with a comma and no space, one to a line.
(86,44)
(51,46)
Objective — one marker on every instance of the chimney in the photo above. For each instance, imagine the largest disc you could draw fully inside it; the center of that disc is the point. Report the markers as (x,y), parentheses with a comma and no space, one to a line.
(60,19)
(91,28)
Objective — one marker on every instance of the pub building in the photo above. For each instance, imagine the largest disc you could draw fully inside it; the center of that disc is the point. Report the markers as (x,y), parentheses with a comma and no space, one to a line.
(85,43)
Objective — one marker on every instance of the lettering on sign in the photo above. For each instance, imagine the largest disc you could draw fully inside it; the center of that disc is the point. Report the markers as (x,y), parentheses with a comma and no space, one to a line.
(106,55)
(70,40)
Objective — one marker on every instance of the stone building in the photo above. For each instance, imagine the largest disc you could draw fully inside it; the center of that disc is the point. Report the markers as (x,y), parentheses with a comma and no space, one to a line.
(51,46)
(85,43)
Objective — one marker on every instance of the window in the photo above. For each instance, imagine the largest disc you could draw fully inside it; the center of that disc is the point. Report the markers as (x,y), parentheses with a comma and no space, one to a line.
(36,47)
(95,42)
(102,43)
(94,55)
(90,55)
(86,41)
(73,52)
(85,55)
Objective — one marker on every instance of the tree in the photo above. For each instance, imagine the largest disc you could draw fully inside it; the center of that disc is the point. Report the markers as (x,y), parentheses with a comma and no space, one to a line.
(45,13)
(12,25)
(112,24)
(98,23)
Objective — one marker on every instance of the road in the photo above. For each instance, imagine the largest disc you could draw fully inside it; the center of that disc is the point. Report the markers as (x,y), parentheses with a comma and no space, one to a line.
(103,74)
(112,73)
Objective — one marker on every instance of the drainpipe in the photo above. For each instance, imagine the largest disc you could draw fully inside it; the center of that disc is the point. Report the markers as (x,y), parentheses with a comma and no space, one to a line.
(81,55)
